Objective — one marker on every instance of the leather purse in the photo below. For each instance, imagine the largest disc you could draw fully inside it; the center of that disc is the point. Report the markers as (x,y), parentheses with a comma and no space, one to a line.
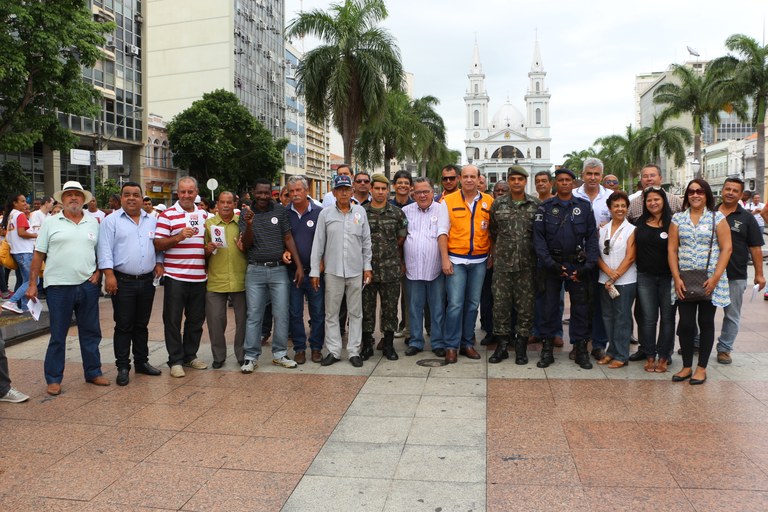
(6,258)
(694,279)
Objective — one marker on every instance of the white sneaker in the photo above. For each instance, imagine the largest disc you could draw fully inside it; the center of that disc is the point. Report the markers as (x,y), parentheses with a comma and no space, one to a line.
(197,364)
(285,362)
(400,334)
(11,306)
(14,396)
(177,371)
(249,366)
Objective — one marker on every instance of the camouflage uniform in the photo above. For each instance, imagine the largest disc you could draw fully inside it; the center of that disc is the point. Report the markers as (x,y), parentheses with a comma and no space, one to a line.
(387,224)
(514,265)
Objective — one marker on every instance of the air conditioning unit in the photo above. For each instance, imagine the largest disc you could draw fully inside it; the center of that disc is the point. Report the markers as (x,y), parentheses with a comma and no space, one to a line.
(124,170)
(110,43)
(132,49)
(138,18)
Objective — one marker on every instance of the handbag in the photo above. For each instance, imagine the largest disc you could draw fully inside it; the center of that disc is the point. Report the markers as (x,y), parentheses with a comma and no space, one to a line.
(694,279)
(6,258)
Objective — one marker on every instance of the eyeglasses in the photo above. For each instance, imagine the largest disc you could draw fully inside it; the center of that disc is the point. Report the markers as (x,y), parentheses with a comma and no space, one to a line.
(696,192)
(607,247)
(421,192)
(652,188)
(611,182)
(362,181)
(449,178)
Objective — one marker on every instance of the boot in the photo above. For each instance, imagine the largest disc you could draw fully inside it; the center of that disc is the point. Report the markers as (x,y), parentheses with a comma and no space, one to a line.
(582,355)
(367,343)
(500,353)
(546,358)
(521,350)
(389,347)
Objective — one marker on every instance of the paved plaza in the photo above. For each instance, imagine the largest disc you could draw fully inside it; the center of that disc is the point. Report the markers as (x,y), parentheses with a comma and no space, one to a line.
(390,436)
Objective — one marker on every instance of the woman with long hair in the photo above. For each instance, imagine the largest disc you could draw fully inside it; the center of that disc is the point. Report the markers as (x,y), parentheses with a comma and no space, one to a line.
(699,238)
(654,281)
(618,278)
(22,242)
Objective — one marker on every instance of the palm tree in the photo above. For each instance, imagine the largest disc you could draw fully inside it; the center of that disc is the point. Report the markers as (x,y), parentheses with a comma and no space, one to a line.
(429,137)
(749,77)
(620,155)
(656,140)
(388,136)
(575,159)
(347,77)
(702,95)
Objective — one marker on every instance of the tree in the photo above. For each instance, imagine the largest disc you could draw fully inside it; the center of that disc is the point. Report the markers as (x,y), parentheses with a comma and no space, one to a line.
(702,95)
(575,159)
(749,77)
(620,155)
(347,77)
(429,137)
(388,136)
(43,48)
(217,137)
(14,181)
(656,140)
(104,191)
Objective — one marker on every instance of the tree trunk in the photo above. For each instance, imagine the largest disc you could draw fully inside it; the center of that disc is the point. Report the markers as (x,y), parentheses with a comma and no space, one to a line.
(697,154)
(760,160)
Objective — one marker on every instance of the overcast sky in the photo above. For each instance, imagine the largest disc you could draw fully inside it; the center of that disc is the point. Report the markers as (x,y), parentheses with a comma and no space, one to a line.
(591,52)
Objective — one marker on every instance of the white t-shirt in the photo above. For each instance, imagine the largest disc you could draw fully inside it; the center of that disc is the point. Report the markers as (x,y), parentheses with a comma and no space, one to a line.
(98,214)
(19,245)
(36,220)
(759,207)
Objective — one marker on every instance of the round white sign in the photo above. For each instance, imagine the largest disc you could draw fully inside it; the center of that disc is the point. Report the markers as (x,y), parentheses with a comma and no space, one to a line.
(212,184)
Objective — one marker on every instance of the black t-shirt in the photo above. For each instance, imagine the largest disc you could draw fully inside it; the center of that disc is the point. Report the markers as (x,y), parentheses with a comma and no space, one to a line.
(745,233)
(651,246)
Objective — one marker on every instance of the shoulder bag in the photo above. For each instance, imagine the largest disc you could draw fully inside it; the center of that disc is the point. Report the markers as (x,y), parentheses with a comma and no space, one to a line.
(694,279)
(6,258)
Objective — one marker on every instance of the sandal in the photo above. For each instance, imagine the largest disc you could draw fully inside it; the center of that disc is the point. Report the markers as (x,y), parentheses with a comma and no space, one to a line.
(650,364)
(661,366)
(617,364)
(605,360)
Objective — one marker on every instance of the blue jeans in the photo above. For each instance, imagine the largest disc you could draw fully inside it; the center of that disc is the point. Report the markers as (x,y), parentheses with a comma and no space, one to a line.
(654,300)
(617,318)
(433,294)
(732,317)
(24,261)
(316,303)
(599,334)
(83,300)
(463,289)
(263,284)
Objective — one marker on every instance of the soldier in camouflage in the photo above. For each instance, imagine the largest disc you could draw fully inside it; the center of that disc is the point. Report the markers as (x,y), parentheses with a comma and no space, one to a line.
(388,232)
(514,266)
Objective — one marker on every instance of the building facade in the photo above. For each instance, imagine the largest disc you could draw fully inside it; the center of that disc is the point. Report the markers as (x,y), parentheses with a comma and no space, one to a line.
(510,137)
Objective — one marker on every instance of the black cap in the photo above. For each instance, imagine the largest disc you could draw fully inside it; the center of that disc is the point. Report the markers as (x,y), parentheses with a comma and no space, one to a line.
(564,170)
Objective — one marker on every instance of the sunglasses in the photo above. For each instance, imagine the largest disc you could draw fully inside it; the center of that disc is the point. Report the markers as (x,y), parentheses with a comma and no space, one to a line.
(696,192)
(611,182)
(607,247)
(652,188)
(362,181)
(449,178)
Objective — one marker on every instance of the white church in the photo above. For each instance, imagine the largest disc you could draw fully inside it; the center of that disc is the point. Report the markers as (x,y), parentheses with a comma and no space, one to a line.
(510,137)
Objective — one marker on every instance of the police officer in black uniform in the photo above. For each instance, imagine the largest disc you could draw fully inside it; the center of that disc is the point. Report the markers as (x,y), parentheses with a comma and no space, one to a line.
(565,238)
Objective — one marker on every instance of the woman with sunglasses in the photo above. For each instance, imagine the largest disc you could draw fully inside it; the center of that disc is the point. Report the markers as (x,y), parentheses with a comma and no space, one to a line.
(618,277)
(695,244)
(654,281)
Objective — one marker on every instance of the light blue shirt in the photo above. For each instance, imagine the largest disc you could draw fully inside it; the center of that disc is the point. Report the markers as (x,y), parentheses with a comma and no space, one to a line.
(125,246)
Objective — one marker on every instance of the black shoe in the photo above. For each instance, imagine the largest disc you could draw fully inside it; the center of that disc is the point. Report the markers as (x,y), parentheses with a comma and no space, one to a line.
(597,353)
(217,364)
(356,361)
(582,356)
(147,369)
(676,378)
(696,382)
(488,340)
(638,356)
(439,352)
(367,352)
(123,376)
(412,351)
(329,360)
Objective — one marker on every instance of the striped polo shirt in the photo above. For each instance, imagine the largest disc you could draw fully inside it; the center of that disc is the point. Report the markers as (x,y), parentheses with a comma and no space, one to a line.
(186,260)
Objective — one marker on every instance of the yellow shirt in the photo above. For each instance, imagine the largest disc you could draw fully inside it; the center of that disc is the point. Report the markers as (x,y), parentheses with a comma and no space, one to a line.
(226,268)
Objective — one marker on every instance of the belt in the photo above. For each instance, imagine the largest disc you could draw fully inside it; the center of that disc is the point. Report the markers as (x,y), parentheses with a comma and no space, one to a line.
(267,263)
(129,277)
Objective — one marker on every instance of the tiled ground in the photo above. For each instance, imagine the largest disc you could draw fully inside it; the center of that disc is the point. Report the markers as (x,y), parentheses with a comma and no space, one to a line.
(390,436)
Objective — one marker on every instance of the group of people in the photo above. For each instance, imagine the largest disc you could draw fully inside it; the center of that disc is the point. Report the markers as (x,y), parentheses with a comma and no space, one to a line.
(443,257)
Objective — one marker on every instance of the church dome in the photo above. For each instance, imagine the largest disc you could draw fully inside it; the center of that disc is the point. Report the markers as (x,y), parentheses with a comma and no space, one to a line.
(507,117)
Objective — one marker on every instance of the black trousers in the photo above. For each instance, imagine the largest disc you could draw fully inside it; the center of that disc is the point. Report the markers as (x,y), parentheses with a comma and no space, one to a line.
(691,314)
(132,308)
(185,299)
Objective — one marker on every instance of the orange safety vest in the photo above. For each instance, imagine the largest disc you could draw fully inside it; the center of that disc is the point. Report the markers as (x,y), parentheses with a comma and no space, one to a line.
(468,236)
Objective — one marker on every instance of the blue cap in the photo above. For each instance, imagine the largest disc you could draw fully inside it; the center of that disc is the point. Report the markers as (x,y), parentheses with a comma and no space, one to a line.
(563,170)
(342,181)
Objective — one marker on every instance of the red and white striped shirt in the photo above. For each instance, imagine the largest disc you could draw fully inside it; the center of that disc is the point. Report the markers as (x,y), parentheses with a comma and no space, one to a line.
(186,260)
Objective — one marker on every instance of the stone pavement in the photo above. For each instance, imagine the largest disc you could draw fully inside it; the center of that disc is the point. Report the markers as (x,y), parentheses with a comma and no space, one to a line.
(390,436)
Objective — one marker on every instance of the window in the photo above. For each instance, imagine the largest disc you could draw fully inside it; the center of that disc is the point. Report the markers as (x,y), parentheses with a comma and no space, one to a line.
(538,116)
(477,118)
(538,151)
(476,88)
(538,87)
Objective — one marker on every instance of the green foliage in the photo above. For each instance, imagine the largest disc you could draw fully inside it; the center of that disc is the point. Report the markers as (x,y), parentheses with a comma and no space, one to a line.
(43,47)
(346,79)
(656,140)
(104,191)
(575,159)
(620,155)
(13,181)
(217,137)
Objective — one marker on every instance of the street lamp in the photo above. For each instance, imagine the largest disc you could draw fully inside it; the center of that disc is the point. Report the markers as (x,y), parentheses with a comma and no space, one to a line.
(470,153)
(99,141)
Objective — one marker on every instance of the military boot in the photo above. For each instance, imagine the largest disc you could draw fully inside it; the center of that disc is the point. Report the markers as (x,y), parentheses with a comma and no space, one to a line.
(389,346)
(521,350)
(546,358)
(367,346)
(582,355)
(500,353)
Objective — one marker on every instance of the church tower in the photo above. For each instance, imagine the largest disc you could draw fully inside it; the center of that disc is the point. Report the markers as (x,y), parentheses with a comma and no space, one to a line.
(537,103)
(476,100)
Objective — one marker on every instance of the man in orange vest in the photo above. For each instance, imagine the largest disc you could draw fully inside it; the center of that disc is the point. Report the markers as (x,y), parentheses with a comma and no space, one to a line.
(465,254)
